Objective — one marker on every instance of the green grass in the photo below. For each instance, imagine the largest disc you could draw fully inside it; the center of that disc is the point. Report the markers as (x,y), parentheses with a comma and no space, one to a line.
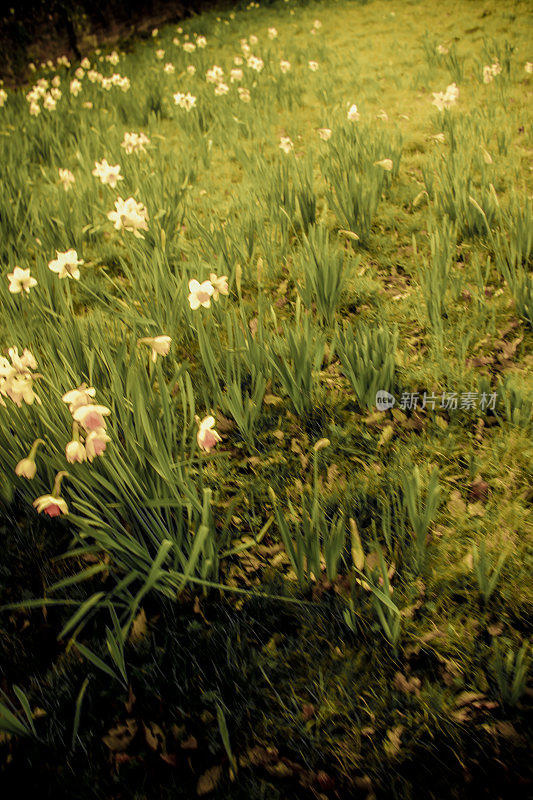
(334,600)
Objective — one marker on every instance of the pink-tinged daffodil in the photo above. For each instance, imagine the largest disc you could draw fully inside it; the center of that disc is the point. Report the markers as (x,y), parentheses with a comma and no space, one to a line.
(206,436)
(91,417)
(52,504)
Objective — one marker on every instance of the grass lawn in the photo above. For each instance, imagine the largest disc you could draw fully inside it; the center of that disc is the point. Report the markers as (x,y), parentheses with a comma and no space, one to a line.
(266,409)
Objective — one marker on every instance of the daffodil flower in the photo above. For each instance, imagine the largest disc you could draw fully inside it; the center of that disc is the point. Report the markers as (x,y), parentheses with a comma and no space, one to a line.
(81,396)
(20,280)
(220,285)
(160,345)
(26,468)
(52,504)
(91,417)
(130,215)
(200,294)
(206,436)
(66,264)
(95,443)
(107,173)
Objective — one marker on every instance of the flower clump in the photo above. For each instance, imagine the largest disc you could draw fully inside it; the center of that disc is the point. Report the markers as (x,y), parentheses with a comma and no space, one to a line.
(89,416)
(130,215)
(186,101)
(490,71)
(134,142)
(200,294)
(447,99)
(17,378)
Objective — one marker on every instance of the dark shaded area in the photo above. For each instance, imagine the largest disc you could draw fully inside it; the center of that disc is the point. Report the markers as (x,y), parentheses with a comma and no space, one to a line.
(38,30)
(293,711)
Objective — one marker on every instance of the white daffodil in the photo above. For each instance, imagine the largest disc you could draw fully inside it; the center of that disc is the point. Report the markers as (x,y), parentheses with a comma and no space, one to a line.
(3,97)
(20,280)
(313,66)
(284,66)
(82,396)
(214,75)
(160,54)
(26,468)
(325,134)
(169,68)
(487,74)
(286,144)
(447,99)
(66,264)
(75,87)
(200,294)
(256,63)
(353,114)
(75,452)
(22,363)
(220,285)
(221,88)
(272,33)
(16,379)
(66,178)
(134,142)
(160,345)
(130,215)
(244,94)
(107,173)
(49,102)
(186,101)
(236,75)
(385,163)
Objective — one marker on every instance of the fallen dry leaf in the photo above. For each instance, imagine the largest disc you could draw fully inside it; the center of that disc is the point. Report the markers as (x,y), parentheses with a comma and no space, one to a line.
(139,627)
(392,743)
(208,781)
(117,739)
(406,685)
